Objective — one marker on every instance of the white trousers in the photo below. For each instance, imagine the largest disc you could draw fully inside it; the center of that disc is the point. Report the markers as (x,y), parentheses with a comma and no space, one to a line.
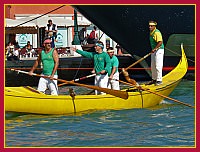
(45,83)
(101,81)
(113,84)
(157,64)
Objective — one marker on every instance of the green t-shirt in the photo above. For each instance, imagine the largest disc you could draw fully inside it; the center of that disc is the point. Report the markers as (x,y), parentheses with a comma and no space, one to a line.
(101,60)
(114,63)
(47,62)
(155,37)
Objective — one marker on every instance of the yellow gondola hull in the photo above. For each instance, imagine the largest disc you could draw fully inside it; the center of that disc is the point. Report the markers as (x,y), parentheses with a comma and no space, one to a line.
(23,99)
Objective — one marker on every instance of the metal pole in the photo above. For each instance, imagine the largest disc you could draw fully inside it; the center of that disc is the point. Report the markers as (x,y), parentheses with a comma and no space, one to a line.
(76,40)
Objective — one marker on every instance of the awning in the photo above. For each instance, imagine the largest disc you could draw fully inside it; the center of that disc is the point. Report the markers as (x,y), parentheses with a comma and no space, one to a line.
(12,27)
(21,30)
(43,21)
(14,22)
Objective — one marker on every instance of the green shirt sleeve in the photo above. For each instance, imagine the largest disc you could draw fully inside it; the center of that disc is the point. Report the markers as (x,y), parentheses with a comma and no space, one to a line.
(115,62)
(85,53)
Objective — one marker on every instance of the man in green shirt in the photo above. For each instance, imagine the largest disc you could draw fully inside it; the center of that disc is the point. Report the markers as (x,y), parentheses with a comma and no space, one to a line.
(50,61)
(102,64)
(157,55)
(112,83)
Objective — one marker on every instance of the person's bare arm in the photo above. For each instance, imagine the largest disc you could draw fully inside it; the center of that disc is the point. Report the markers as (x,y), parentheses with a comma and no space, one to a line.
(56,61)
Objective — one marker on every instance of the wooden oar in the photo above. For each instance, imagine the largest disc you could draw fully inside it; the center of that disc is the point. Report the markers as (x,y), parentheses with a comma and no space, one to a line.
(137,62)
(78,79)
(144,89)
(117,93)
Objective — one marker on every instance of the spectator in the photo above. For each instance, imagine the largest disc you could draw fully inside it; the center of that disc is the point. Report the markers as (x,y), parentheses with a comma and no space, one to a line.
(119,49)
(93,37)
(82,35)
(52,38)
(51,28)
(51,32)
(29,49)
(12,53)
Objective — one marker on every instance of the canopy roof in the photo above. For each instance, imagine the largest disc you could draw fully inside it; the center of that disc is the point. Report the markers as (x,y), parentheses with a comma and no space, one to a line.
(29,25)
(11,27)
(43,21)
(11,23)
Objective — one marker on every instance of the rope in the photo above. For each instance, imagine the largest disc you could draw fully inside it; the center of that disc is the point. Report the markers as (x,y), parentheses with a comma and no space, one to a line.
(78,68)
(40,16)
(177,54)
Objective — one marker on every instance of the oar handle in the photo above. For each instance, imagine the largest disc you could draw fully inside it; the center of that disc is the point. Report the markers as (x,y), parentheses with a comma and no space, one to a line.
(161,95)
(137,61)
(19,71)
(82,78)
(78,79)
(116,93)
(169,98)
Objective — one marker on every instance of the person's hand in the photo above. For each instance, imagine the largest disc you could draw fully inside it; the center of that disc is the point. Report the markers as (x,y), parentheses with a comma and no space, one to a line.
(93,71)
(51,77)
(103,72)
(73,49)
(110,77)
(30,73)
(154,50)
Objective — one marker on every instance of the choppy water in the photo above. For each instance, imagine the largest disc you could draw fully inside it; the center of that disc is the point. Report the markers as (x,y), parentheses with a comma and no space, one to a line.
(168,124)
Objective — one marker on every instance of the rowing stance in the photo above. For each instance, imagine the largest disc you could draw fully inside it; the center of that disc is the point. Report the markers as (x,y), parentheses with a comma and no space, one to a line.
(50,62)
(102,64)
(157,55)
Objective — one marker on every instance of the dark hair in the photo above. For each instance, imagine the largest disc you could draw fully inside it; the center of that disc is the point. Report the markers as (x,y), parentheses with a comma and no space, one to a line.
(49,21)
(100,42)
(110,48)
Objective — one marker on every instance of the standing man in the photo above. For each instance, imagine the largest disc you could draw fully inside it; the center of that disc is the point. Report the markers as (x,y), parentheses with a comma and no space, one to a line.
(157,55)
(51,32)
(51,28)
(102,64)
(112,83)
(50,62)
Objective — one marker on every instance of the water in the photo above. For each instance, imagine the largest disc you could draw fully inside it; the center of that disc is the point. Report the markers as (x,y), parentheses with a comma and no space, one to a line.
(168,124)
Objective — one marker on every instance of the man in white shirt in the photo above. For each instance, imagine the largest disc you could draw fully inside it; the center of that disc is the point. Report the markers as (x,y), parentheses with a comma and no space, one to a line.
(51,32)
(51,28)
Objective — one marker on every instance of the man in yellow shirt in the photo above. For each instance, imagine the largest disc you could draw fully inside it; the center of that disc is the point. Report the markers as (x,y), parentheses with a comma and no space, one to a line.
(157,55)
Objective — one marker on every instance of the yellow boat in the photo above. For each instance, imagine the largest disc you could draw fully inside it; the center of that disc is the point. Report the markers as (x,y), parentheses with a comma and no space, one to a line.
(28,100)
